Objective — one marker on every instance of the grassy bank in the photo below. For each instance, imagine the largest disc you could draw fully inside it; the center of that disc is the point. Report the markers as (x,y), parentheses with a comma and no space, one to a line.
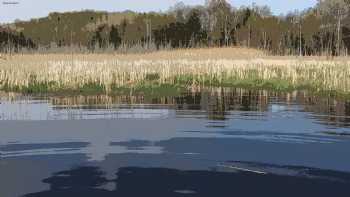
(181,68)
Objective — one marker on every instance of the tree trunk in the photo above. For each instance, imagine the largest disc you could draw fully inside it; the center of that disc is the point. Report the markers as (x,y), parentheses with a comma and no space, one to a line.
(300,47)
(338,33)
(249,35)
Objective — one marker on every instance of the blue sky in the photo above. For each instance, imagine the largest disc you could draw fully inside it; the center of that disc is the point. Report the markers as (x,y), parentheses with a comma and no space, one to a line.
(26,9)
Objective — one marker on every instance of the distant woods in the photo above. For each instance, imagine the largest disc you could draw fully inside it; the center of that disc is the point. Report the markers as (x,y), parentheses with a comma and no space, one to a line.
(14,42)
(321,30)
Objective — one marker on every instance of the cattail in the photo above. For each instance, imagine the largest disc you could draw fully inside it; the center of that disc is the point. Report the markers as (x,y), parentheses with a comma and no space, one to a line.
(59,71)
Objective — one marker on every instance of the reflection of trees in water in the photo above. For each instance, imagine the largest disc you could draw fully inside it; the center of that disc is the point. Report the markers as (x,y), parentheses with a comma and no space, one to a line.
(330,111)
(326,109)
(133,181)
(84,177)
(218,101)
(215,102)
(83,181)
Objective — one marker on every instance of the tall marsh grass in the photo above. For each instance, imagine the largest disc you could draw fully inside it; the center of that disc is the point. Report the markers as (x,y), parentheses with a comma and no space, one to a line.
(191,67)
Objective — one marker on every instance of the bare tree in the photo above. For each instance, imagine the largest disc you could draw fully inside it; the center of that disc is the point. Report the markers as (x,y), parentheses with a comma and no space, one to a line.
(298,20)
(334,12)
(264,11)
(219,19)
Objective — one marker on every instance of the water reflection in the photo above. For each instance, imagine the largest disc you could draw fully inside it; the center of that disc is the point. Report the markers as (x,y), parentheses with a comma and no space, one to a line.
(83,181)
(134,181)
(233,137)
(213,104)
(295,118)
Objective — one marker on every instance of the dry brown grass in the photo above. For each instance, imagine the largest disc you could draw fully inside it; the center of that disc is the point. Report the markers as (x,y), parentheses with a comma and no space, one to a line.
(216,64)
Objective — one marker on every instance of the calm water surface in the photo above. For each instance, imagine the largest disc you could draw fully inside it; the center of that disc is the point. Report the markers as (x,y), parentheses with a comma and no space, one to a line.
(211,142)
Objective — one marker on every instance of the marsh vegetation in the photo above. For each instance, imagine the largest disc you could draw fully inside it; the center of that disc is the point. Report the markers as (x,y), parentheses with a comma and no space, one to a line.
(108,73)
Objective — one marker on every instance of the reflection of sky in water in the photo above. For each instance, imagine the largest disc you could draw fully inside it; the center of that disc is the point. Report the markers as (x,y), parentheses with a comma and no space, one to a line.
(37,127)
(97,135)
(43,110)
(36,134)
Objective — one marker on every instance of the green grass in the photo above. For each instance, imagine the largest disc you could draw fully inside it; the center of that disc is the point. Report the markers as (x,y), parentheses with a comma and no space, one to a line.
(151,87)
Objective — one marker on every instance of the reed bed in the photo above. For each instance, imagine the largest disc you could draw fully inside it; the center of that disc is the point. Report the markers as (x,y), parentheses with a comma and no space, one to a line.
(188,67)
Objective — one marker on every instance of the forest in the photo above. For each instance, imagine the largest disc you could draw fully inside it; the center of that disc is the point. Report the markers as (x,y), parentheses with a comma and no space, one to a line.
(319,31)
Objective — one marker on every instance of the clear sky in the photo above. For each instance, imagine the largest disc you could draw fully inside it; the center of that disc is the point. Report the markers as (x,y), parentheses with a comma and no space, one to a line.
(26,9)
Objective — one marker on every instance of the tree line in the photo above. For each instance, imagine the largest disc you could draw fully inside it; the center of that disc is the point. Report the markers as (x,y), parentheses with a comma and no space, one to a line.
(10,41)
(321,30)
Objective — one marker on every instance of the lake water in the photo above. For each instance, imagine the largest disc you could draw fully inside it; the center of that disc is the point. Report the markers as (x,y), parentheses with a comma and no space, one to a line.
(209,142)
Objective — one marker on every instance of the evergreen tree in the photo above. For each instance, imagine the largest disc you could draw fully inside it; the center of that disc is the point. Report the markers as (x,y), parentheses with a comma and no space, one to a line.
(114,37)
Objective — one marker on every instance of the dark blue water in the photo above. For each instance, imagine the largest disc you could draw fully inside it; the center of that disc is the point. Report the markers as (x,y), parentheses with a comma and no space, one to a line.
(214,142)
